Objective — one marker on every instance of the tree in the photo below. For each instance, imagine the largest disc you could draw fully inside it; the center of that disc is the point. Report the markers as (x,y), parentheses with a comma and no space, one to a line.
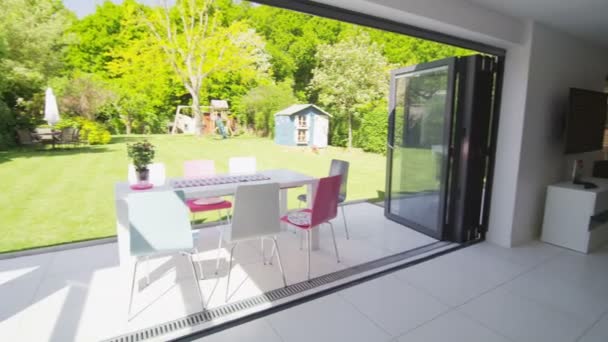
(196,45)
(256,109)
(350,74)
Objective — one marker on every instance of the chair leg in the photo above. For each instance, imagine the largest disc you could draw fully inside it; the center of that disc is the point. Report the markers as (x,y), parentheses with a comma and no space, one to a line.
(345,225)
(219,251)
(333,235)
(198,285)
(272,253)
(229,271)
(147,259)
(308,241)
(132,289)
(200,266)
(262,250)
(276,247)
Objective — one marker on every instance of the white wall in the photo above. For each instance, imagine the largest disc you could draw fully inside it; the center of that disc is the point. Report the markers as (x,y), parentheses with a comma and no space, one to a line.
(557,63)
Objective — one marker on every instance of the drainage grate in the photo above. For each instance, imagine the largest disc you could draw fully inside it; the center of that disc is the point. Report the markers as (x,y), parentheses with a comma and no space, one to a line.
(194,320)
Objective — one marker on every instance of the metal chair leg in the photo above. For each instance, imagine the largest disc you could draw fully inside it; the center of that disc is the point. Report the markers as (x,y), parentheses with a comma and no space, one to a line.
(229,271)
(308,240)
(200,266)
(276,246)
(146,260)
(345,225)
(333,235)
(219,251)
(132,289)
(271,253)
(198,285)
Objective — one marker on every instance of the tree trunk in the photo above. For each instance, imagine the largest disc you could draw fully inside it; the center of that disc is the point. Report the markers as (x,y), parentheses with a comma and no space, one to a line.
(129,124)
(350,131)
(197,115)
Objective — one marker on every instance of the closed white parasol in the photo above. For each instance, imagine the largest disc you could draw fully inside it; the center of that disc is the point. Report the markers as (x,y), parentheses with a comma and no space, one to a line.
(51,112)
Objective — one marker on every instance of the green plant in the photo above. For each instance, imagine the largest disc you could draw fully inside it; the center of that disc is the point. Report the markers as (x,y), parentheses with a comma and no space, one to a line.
(92,132)
(142,154)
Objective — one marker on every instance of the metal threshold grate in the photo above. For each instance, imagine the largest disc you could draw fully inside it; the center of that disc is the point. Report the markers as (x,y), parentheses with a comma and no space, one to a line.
(190,322)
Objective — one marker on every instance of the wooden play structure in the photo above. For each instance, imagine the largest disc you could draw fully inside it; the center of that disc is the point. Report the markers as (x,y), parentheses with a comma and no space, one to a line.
(216,118)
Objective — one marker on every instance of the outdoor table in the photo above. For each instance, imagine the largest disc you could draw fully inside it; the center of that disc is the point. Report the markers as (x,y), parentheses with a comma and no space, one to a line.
(285,178)
(53,135)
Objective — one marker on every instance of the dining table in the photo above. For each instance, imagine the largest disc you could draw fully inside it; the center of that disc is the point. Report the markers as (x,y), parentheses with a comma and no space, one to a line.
(52,136)
(287,179)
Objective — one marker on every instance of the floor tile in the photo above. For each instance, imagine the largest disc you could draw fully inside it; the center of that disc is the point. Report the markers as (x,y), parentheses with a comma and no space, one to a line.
(598,332)
(84,259)
(460,276)
(329,318)
(452,326)
(394,305)
(522,319)
(254,331)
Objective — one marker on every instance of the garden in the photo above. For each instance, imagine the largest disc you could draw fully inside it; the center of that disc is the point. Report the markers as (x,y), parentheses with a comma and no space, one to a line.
(120,72)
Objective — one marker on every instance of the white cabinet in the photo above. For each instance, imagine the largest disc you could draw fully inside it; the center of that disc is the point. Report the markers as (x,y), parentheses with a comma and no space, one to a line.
(575,217)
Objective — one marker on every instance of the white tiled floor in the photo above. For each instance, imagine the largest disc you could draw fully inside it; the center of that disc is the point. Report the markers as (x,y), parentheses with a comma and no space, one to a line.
(81,294)
(484,293)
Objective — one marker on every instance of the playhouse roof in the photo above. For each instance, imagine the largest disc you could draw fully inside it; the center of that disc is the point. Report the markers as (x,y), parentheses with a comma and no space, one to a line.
(219,104)
(294,109)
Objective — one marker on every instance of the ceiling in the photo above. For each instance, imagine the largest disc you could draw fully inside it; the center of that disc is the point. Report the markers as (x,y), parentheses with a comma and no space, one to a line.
(587,19)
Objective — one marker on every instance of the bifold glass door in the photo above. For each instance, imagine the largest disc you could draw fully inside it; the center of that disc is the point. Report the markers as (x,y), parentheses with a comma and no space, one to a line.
(421,101)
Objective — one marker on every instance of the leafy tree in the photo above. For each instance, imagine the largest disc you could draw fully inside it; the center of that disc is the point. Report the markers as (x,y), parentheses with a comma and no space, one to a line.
(83,95)
(293,40)
(196,45)
(138,72)
(256,109)
(350,74)
(93,38)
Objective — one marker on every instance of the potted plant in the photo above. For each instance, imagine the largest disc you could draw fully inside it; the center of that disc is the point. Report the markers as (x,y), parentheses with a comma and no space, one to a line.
(142,154)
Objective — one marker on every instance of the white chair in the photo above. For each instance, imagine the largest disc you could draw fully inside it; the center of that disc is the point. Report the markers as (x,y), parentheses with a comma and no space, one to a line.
(157,174)
(242,165)
(255,216)
(159,225)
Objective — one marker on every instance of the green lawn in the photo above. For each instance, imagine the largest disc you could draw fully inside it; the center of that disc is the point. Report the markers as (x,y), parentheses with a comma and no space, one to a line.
(50,197)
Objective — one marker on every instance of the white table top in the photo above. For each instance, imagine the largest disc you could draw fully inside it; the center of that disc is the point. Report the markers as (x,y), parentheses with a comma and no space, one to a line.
(285,178)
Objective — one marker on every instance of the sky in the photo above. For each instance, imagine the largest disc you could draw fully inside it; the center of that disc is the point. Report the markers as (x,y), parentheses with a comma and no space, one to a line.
(86,7)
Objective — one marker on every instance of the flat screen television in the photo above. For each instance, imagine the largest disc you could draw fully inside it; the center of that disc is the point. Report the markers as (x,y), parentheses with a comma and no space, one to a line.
(586,120)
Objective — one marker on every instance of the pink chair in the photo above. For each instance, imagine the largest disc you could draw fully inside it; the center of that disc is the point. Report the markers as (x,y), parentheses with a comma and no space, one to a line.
(202,169)
(324,208)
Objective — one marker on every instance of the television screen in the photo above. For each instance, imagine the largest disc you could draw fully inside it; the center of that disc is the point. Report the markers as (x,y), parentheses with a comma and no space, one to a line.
(586,121)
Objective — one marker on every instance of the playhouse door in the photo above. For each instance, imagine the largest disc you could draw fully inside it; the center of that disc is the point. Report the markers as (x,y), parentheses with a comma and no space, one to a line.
(320,131)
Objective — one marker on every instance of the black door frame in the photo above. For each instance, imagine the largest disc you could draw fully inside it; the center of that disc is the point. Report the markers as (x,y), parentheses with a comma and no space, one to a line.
(450,63)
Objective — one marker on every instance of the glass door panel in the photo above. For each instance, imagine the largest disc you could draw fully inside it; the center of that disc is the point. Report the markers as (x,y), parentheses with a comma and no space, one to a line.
(419,132)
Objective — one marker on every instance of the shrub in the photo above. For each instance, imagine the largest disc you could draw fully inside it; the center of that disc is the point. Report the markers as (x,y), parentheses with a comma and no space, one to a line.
(7,127)
(373,130)
(92,132)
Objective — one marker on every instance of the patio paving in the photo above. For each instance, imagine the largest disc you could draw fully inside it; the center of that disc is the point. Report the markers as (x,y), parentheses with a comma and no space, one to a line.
(80,294)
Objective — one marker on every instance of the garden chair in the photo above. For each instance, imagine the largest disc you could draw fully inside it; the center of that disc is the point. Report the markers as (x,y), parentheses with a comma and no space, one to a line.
(67,136)
(324,209)
(242,165)
(338,167)
(26,138)
(256,216)
(201,169)
(159,225)
(156,177)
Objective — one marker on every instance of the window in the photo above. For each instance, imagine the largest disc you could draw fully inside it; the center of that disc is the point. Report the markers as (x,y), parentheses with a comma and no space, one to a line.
(302,121)
(302,136)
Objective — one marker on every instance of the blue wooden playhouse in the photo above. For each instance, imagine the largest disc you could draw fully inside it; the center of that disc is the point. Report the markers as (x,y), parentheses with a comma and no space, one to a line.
(301,125)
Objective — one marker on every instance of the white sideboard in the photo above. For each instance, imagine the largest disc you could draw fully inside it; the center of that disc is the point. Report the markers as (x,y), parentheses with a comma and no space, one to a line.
(575,217)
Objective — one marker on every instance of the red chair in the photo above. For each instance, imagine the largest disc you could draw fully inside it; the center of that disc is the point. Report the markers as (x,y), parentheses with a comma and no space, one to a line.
(202,169)
(324,208)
